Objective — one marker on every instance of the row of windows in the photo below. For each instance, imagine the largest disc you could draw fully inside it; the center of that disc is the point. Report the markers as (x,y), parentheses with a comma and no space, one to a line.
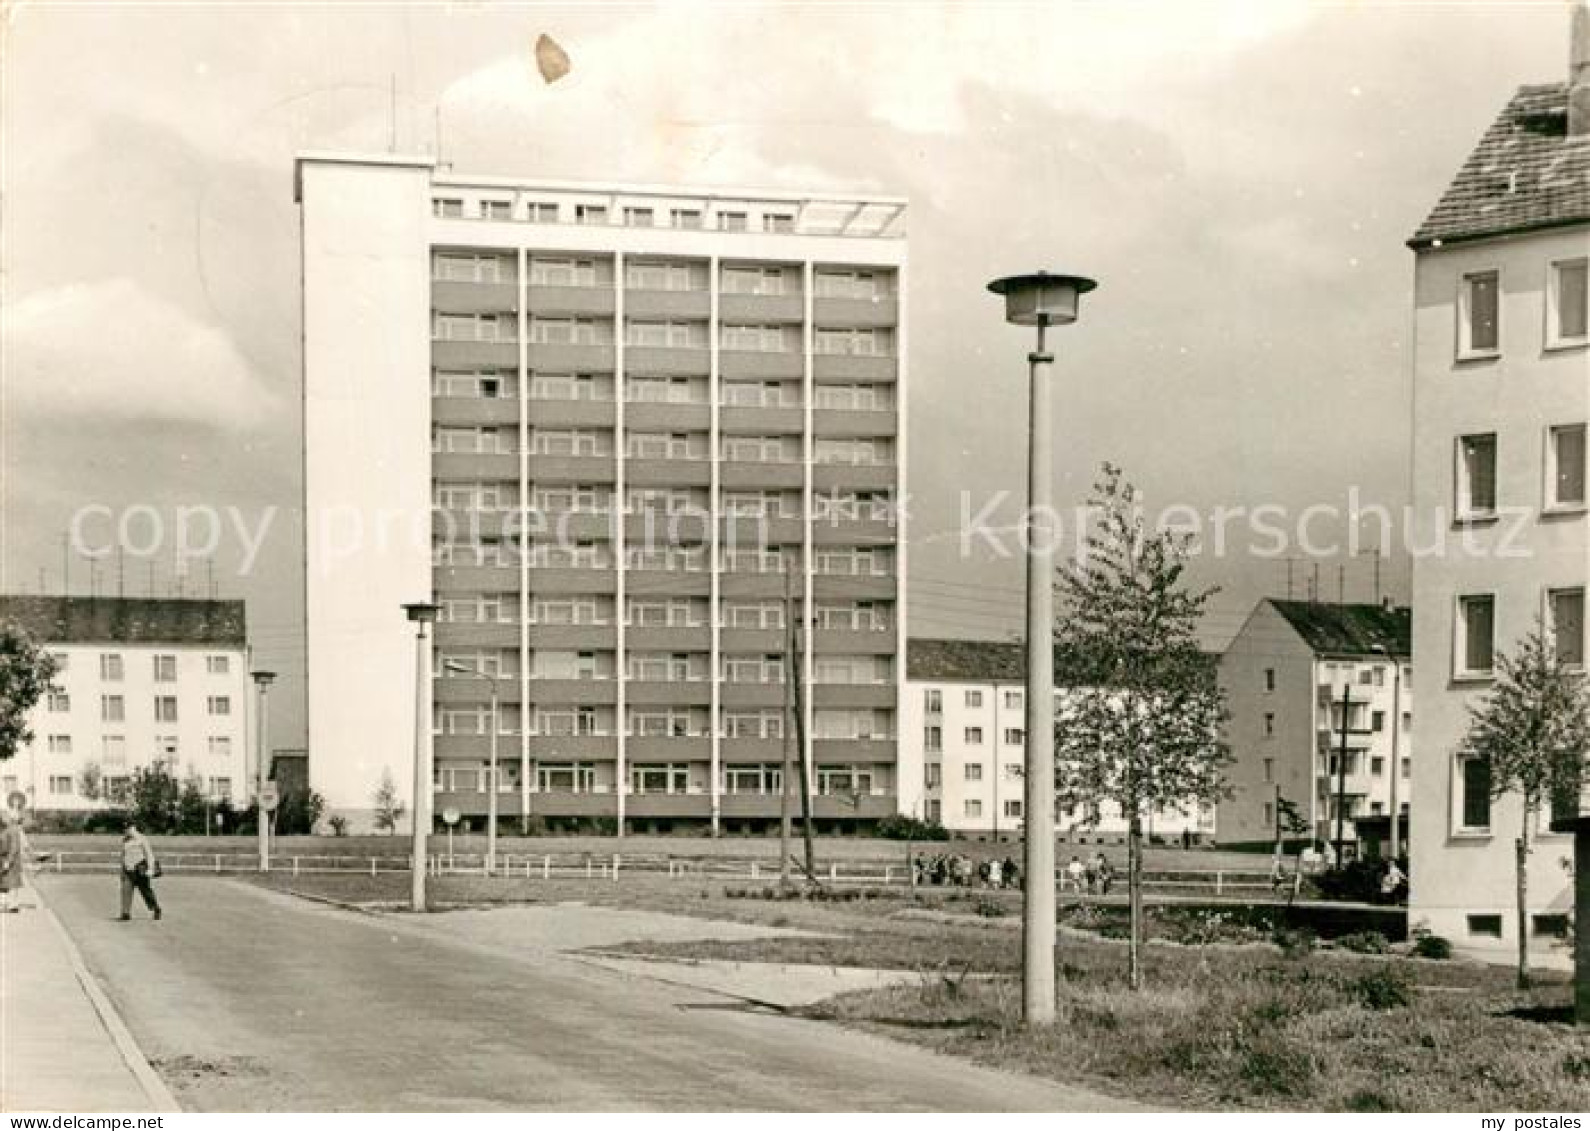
(1474,636)
(866,451)
(503,384)
(765,279)
(631,216)
(689,667)
(163,667)
(859,561)
(64,785)
(671,612)
(113,747)
(1475,495)
(933,699)
(113,708)
(862,341)
(933,738)
(1567,309)
(653,777)
(502,495)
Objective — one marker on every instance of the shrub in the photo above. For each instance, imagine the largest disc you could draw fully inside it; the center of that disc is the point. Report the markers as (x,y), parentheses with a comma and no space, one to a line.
(1355,882)
(1295,942)
(1386,988)
(339,825)
(1432,946)
(1277,1066)
(1364,942)
(900,827)
(989,907)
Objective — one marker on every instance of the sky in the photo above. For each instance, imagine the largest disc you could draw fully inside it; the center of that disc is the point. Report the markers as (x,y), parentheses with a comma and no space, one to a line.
(1239,177)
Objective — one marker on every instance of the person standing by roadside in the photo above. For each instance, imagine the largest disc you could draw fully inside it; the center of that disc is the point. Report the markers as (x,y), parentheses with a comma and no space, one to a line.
(138,869)
(11,849)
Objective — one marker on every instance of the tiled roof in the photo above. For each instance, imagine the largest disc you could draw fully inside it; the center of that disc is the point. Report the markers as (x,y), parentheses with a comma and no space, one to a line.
(1526,173)
(127,620)
(1350,630)
(974,661)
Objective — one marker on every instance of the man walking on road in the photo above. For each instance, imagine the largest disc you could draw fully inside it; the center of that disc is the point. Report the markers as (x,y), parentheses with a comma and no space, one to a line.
(138,869)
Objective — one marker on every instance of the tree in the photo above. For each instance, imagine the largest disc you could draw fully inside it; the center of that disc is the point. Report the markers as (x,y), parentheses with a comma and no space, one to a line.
(389,808)
(27,672)
(1531,731)
(1140,720)
(154,798)
(300,810)
(193,807)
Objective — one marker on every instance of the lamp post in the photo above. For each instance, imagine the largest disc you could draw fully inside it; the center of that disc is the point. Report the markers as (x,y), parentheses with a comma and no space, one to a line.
(262,681)
(421,615)
(1041,300)
(458,668)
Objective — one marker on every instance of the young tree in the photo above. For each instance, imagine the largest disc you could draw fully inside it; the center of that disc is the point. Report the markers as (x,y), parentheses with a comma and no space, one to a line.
(154,799)
(26,673)
(389,808)
(1532,732)
(193,807)
(1140,720)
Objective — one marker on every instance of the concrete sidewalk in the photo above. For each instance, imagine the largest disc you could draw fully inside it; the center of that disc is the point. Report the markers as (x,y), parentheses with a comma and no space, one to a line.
(63,1046)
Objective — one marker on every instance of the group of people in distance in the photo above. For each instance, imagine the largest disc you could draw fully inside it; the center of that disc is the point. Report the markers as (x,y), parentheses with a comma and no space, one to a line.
(951,869)
(1092,878)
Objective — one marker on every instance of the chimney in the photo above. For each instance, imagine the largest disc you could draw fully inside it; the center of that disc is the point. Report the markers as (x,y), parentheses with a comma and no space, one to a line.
(1579,72)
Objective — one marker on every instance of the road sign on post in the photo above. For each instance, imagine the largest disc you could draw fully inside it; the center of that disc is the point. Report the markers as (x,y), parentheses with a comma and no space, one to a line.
(269,797)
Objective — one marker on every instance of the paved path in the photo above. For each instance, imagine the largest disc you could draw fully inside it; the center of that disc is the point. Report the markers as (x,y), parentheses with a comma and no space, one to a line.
(249,1000)
(62,1046)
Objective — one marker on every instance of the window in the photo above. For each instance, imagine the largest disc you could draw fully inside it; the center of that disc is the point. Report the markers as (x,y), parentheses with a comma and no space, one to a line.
(114,749)
(666,778)
(218,665)
(1013,809)
(778,222)
(753,779)
(935,811)
(1565,617)
(569,331)
(447,207)
(933,700)
(62,661)
(974,699)
(766,723)
(1269,814)
(1568,304)
(833,780)
(112,708)
(220,704)
(1269,724)
(110,667)
(640,217)
(165,668)
(61,785)
(590,213)
(567,271)
(60,744)
(1269,769)
(974,771)
(666,334)
(1479,315)
(933,739)
(462,267)
(165,708)
(1269,679)
(973,807)
(1565,467)
(732,221)
(1013,700)
(753,280)
(221,788)
(1476,477)
(1015,736)
(684,217)
(570,387)
(1377,766)
(60,702)
(220,746)
(567,777)
(1476,626)
(665,275)
(1549,926)
(1377,721)
(1474,793)
(541,212)
(974,736)
(1485,926)
(932,775)
(496,210)
(865,341)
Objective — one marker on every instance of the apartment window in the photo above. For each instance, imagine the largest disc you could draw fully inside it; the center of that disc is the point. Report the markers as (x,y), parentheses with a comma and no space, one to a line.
(165,669)
(973,807)
(1269,679)
(1269,769)
(459,267)
(974,736)
(843,779)
(60,744)
(1269,814)
(974,699)
(933,738)
(112,708)
(59,702)
(863,341)
(1485,926)
(665,778)
(684,218)
(563,271)
(759,338)
(220,746)
(1565,467)
(61,785)
(1377,721)
(1013,700)
(1015,736)
(221,788)
(754,669)
(110,667)
(566,777)
(780,222)
(666,334)
(569,332)
(1377,767)
(1568,304)
(447,207)
(1474,794)
(570,387)
(1549,926)
(220,704)
(1013,809)
(935,811)
(640,217)
(1476,630)
(732,221)
(832,283)
(753,280)
(113,748)
(218,665)
(165,708)
(665,275)
(1565,616)
(1479,315)
(933,700)
(590,213)
(473,327)
(496,210)
(541,212)
(1476,476)
(1269,724)
(974,771)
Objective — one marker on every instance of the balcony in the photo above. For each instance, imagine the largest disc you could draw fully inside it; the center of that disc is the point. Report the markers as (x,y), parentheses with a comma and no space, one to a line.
(573,748)
(578,637)
(474,298)
(467,689)
(547,413)
(667,583)
(474,410)
(658,748)
(751,584)
(684,361)
(843,751)
(668,472)
(642,805)
(854,695)
(450,354)
(845,423)
(693,305)
(475,578)
(588,470)
(761,365)
(737,475)
(854,532)
(752,533)
(569,357)
(641,416)
(751,694)
(481,633)
(554,581)
(853,313)
(861,477)
(841,367)
(854,642)
(764,640)
(751,751)
(576,692)
(668,693)
(660,639)
(854,587)
(761,309)
(474,466)
(578,301)
(746,421)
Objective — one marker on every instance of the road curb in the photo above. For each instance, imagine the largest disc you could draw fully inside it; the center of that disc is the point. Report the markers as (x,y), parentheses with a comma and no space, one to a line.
(154,1089)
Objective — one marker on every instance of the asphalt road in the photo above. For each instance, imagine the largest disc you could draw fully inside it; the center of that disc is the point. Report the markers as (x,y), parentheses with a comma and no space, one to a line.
(247,1000)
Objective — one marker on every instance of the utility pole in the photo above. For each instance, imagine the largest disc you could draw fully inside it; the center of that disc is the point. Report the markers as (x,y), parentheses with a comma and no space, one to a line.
(797,674)
(1396,758)
(787,776)
(1341,777)
(1341,583)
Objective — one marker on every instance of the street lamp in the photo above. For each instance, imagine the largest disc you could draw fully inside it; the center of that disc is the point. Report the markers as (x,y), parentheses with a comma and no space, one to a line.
(421,615)
(262,681)
(459,668)
(1040,300)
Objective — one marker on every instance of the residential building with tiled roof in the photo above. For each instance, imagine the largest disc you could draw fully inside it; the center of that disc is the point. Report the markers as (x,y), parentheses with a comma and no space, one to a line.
(139,681)
(1299,677)
(1501,401)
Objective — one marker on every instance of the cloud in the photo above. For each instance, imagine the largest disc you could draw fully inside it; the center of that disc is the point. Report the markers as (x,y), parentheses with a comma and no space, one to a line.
(113,350)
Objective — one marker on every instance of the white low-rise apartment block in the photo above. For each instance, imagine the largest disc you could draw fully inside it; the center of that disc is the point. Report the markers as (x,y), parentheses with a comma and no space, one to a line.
(1501,403)
(139,682)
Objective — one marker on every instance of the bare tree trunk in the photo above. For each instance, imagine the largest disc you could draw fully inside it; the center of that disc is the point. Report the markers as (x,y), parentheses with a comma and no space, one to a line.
(1134,895)
(1523,898)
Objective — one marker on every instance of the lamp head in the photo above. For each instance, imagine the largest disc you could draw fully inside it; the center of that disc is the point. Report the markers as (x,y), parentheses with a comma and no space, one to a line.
(263,678)
(1042,298)
(421,612)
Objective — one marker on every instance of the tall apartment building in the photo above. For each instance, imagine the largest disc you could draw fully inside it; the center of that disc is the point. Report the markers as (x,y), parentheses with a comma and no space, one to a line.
(963,747)
(1501,402)
(1302,679)
(644,416)
(139,682)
